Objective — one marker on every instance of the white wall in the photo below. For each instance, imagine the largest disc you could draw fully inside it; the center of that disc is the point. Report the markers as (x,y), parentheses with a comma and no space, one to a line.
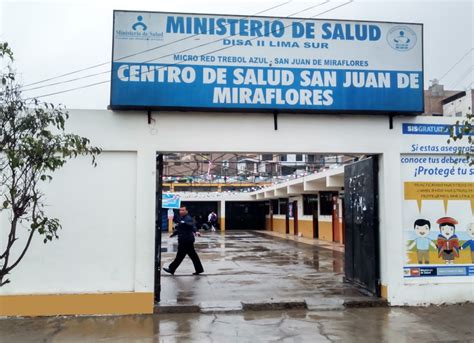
(182,132)
(421,291)
(108,213)
(96,207)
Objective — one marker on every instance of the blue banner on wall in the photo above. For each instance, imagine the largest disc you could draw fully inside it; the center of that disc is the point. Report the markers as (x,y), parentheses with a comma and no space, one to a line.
(426,271)
(256,88)
(432,129)
(171,200)
(214,62)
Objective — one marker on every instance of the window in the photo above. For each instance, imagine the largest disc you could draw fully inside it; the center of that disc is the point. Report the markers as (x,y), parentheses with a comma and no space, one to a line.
(458,114)
(275,206)
(283,206)
(310,204)
(326,203)
(267,207)
(288,170)
(299,157)
(233,188)
(267,157)
(283,158)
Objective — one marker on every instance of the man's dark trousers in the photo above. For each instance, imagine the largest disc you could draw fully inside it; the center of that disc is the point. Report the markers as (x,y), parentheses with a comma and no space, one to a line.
(186,248)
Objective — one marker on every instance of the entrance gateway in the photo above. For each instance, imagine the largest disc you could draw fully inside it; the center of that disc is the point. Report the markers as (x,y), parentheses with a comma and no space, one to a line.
(268,65)
(115,254)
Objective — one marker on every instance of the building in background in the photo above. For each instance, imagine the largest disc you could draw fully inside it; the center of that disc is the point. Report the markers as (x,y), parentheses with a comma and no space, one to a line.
(217,172)
(459,104)
(450,103)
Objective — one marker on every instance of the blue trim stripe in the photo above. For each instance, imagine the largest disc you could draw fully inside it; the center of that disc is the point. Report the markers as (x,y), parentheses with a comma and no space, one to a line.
(429,129)
(439,271)
(425,129)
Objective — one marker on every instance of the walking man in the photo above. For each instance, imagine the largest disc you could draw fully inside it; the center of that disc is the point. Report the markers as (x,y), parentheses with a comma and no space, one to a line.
(185,230)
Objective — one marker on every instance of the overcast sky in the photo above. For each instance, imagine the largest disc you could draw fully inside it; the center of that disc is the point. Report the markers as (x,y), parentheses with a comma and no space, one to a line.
(50,38)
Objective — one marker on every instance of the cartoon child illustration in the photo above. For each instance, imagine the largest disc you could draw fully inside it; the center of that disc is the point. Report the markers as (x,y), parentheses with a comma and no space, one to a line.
(470,242)
(448,243)
(422,242)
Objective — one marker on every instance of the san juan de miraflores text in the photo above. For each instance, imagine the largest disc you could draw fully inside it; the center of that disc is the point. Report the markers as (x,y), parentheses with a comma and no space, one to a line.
(269,80)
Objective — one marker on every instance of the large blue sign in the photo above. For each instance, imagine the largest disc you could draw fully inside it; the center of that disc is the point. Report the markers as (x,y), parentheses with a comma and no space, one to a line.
(209,62)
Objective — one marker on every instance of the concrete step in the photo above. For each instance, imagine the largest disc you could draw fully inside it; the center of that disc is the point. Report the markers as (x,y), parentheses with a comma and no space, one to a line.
(312,304)
(177,308)
(274,305)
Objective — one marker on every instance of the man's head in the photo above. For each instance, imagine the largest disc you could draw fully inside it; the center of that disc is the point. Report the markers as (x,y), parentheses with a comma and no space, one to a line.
(470,230)
(447,226)
(183,211)
(422,227)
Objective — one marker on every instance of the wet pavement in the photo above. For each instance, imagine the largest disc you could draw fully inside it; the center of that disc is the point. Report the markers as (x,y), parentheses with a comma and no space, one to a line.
(245,270)
(250,270)
(429,324)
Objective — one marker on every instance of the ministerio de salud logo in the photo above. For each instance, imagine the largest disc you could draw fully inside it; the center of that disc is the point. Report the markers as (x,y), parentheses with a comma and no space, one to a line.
(401,38)
(139,30)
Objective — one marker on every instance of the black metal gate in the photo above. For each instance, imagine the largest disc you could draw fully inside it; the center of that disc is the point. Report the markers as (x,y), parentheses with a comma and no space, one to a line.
(362,224)
(158,225)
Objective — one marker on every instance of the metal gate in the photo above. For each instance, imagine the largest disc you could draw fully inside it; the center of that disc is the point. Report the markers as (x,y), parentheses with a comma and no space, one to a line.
(158,225)
(362,224)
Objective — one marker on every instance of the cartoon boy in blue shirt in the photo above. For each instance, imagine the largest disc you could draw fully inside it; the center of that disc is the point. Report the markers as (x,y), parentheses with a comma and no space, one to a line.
(422,241)
(470,242)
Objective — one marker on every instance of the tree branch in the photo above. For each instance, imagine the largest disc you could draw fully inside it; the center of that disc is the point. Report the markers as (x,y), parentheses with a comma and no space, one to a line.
(30,237)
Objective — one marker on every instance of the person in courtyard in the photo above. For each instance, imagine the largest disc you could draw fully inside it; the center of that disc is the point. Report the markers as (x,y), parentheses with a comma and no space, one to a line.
(186,231)
(470,242)
(212,219)
(448,242)
(422,241)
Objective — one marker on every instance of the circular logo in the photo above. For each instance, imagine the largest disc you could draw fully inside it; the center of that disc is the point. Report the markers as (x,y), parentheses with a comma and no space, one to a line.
(401,38)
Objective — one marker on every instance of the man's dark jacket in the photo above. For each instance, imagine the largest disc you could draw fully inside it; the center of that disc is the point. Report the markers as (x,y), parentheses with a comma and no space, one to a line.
(185,229)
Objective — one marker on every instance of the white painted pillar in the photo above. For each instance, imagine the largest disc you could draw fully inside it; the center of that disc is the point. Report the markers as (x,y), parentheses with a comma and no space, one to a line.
(145,220)
(390,224)
(222,215)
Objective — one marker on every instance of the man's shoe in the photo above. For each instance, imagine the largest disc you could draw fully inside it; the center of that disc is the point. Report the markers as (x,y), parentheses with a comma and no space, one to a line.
(196,273)
(168,270)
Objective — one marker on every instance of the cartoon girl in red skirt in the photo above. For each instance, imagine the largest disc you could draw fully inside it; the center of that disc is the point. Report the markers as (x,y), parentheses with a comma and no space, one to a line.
(447,243)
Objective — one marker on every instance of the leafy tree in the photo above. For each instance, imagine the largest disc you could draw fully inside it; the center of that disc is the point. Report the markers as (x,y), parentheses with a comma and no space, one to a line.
(462,130)
(33,145)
